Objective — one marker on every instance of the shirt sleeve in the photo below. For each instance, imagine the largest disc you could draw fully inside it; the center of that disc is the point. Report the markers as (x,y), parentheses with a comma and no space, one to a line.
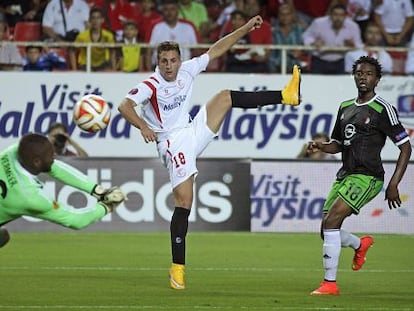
(203,14)
(48,16)
(81,37)
(71,176)
(310,34)
(196,65)
(142,92)
(35,201)
(222,18)
(392,127)
(110,37)
(336,132)
(409,11)
(43,207)
(85,12)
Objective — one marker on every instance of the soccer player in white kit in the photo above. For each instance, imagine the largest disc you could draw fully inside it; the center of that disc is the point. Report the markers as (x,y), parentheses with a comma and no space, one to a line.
(165,101)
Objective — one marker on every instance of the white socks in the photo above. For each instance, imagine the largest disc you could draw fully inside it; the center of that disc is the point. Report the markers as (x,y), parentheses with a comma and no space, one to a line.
(349,240)
(333,239)
(331,251)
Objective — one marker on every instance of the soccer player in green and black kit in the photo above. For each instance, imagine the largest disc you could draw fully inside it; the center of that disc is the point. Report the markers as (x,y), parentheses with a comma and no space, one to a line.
(21,192)
(361,128)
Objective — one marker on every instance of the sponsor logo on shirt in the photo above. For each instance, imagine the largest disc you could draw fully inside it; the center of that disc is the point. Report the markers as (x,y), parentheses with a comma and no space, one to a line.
(180,84)
(178,100)
(349,132)
(181,172)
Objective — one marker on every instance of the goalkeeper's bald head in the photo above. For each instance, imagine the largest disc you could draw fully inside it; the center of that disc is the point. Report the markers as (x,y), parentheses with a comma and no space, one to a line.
(35,153)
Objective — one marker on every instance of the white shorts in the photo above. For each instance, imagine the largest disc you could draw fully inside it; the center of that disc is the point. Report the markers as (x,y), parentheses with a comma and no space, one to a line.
(180,151)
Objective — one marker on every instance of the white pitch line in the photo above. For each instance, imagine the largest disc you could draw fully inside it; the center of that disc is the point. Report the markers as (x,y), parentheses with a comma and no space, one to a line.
(154,307)
(59,307)
(198,269)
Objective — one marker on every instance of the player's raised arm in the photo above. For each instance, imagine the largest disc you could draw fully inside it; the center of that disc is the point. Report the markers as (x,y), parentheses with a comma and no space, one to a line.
(225,43)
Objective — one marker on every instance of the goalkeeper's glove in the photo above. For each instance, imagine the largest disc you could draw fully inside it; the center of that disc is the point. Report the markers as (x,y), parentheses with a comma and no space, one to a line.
(109,198)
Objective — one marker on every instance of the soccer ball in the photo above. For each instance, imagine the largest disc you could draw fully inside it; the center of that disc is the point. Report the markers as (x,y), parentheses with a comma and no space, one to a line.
(92,113)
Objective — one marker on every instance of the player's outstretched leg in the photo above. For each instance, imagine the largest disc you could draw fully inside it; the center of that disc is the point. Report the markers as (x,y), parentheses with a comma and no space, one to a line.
(290,95)
(291,92)
(361,252)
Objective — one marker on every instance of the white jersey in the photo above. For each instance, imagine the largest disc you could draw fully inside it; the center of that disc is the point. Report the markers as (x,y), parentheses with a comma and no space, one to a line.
(76,16)
(394,14)
(165,105)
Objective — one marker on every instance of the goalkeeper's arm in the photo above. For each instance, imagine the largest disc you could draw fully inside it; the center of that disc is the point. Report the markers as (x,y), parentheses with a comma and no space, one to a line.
(71,176)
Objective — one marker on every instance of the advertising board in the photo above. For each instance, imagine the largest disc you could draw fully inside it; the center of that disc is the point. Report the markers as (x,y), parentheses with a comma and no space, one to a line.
(288,196)
(30,102)
(221,196)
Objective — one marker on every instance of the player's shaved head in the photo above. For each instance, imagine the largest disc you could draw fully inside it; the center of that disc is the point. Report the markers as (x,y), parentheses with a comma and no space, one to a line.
(35,153)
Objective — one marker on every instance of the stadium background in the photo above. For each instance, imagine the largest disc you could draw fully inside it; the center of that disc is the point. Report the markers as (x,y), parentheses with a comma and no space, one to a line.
(248,178)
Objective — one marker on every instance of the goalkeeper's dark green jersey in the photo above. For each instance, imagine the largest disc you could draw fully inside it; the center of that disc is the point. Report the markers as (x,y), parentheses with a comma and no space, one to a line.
(361,130)
(22,194)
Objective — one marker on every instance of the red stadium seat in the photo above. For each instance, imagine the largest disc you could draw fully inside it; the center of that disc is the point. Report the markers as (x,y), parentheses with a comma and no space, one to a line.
(27,31)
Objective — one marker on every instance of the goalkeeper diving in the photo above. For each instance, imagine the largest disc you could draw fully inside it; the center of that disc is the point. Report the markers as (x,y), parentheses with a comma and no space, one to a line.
(22,194)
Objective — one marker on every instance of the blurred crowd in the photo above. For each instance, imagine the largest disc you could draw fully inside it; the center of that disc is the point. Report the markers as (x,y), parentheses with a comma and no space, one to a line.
(363,27)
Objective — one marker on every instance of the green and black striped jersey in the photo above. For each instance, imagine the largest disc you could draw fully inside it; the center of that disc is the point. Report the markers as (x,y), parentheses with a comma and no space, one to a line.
(362,129)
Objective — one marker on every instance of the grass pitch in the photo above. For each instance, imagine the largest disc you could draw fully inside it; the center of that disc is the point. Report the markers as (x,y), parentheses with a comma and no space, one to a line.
(225,271)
